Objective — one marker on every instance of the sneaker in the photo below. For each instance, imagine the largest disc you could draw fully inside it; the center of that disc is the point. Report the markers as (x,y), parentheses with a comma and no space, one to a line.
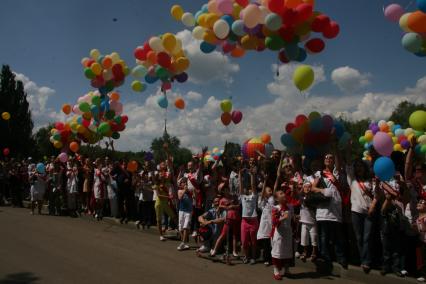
(245,260)
(138,225)
(366,268)
(194,234)
(185,247)
(421,279)
(234,254)
(162,238)
(404,272)
(212,253)
(278,277)
(180,247)
(266,263)
(203,249)
(297,254)
(252,261)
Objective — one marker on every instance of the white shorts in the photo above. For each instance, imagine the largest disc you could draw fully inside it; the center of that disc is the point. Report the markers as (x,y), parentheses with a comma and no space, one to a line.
(184,220)
(309,235)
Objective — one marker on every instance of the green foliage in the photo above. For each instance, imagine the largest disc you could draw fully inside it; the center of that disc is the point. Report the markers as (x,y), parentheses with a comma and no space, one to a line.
(43,146)
(233,150)
(356,129)
(16,134)
(180,155)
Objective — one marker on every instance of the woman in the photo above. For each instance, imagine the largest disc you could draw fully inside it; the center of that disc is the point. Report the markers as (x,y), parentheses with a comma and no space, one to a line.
(38,189)
(72,188)
(162,204)
(87,171)
(99,189)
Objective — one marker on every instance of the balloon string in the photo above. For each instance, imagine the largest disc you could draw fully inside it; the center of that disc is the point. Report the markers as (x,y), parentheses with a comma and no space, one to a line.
(409,4)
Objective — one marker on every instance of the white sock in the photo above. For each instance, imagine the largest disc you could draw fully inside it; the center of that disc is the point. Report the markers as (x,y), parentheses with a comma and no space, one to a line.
(276,271)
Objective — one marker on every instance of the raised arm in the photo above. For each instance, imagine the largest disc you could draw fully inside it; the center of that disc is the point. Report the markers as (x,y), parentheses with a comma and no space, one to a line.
(277,180)
(409,160)
(240,181)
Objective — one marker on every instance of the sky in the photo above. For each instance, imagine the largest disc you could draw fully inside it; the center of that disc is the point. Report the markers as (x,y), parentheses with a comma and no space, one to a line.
(363,73)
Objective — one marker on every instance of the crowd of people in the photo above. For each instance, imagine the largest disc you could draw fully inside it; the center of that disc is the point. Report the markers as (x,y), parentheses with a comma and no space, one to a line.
(274,208)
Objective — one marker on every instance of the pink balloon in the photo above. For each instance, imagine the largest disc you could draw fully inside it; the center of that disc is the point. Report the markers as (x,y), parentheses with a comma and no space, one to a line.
(394,12)
(383,144)
(237,116)
(63,157)
(225,6)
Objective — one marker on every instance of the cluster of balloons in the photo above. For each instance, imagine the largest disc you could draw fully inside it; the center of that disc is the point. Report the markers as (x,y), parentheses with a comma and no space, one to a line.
(105,72)
(214,155)
(311,135)
(228,114)
(160,59)
(252,147)
(238,26)
(5,115)
(413,24)
(387,137)
(94,118)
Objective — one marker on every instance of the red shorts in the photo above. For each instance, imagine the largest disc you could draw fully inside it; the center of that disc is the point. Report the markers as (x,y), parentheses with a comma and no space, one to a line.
(249,227)
(230,224)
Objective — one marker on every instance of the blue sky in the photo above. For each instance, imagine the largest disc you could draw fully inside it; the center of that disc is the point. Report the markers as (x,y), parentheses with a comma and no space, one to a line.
(46,39)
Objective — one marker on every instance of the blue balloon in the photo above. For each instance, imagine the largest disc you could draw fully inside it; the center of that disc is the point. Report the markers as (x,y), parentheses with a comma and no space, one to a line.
(79,120)
(238,28)
(162,101)
(339,129)
(103,91)
(40,168)
(198,14)
(94,110)
(288,140)
(103,106)
(412,42)
(302,55)
(228,19)
(421,5)
(384,168)
(207,47)
(205,8)
(315,125)
(150,79)
(292,52)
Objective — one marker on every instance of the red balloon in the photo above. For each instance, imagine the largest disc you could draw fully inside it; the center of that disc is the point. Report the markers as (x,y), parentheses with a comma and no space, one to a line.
(124,118)
(300,119)
(304,12)
(6,152)
(289,127)
(242,3)
(287,33)
(315,45)
(226,118)
(320,23)
(332,30)
(59,125)
(290,16)
(164,59)
(117,70)
(237,116)
(140,53)
(86,123)
(276,6)
(227,47)
(283,58)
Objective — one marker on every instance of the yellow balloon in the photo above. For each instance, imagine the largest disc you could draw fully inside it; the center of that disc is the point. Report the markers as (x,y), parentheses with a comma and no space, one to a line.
(115,57)
(176,12)
(5,115)
(96,69)
(398,148)
(403,22)
(211,19)
(303,77)
(369,135)
(57,144)
(182,63)
(209,36)
(249,42)
(94,53)
(202,20)
(169,42)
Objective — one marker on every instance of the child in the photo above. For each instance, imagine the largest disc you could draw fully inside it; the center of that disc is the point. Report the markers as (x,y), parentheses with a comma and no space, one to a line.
(309,233)
(185,213)
(38,189)
(282,236)
(266,202)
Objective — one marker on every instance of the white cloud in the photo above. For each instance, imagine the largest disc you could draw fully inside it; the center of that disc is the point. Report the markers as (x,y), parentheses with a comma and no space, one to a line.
(206,68)
(193,96)
(349,79)
(38,98)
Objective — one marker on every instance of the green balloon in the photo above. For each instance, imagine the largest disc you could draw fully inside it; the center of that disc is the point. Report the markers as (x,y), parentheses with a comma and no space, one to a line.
(110,114)
(418,120)
(226,105)
(274,42)
(118,119)
(84,107)
(96,100)
(57,136)
(89,73)
(362,140)
(109,86)
(162,73)
(115,135)
(104,128)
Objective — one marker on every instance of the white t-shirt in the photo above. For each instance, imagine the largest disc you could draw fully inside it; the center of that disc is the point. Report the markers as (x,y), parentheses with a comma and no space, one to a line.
(333,210)
(360,201)
(265,225)
(249,204)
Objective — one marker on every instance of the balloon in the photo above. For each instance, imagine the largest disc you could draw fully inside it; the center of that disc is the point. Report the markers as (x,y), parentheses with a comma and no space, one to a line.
(238,28)
(84,107)
(226,118)
(288,140)
(132,166)
(176,12)
(5,115)
(162,101)
(182,77)
(327,122)
(41,169)
(164,59)
(300,119)
(188,20)
(169,41)
(315,45)
(206,47)
(251,15)
(412,42)
(273,22)
(266,138)
(6,152)
(237,116)
(251,147)
(403,22)
(114,96)
(139,71)
(383,144)
(417,22)
(303,77)
(314,115)
(320,23)
(332,30)
(198,32)
(104,128)
(179,103)
(394,12)
(94,53)
(421,5)
(276,6)
(63,157)
(384,168)
(225,6)
(417,120)
(221,29)
(74,147)
(226,105)
(289,127)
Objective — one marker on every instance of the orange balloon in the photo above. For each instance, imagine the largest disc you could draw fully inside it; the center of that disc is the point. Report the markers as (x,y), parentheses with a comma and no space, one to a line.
(293,3)
(66,108)
(107,62)
(114,96)
(238,52)
(132,166)
(226,118)
(266,138)
(417,22)
(180,103)
(74,147)
(152,57)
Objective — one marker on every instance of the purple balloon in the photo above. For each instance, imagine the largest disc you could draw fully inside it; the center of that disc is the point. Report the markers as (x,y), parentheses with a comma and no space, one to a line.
(149,156)
(394,12)
(373,124)
(237,116)
(375,129)
(182,77)
(327,122)
(383,144)
(405,144)
(254,30)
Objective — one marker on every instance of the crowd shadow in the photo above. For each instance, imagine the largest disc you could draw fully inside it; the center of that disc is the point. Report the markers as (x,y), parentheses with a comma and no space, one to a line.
(20,278)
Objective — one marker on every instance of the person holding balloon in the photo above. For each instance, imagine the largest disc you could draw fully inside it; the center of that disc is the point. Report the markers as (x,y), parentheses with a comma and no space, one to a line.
(38,180)
(99,178)
(72,187)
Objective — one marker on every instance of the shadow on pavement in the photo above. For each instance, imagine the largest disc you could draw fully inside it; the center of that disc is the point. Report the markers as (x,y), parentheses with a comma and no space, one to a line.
(19,278)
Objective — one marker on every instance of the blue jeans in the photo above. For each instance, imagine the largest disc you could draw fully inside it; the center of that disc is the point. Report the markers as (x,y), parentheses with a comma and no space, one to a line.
(331,232)
(362,225)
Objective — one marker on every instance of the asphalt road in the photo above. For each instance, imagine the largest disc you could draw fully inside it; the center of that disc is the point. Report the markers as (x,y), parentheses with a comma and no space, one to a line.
(46,249)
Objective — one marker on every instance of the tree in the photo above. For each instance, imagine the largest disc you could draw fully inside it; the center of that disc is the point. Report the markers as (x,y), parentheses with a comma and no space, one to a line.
(403,111)
(233,150)
(17,132)
(43,146)
(180,155)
